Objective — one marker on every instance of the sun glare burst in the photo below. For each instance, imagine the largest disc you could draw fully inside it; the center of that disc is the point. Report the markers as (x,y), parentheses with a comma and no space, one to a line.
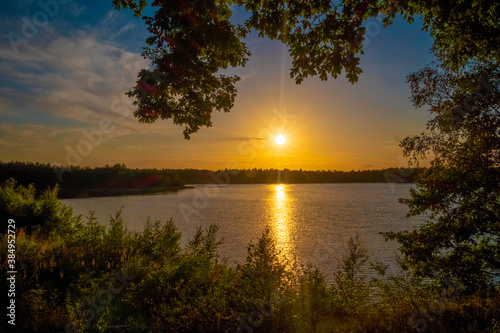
(280,139)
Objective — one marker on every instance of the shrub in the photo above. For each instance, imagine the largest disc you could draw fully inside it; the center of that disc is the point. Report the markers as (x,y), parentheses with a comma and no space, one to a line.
(30,211)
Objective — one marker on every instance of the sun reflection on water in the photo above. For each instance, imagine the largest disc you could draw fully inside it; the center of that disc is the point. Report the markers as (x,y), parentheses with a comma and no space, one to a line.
(280,210)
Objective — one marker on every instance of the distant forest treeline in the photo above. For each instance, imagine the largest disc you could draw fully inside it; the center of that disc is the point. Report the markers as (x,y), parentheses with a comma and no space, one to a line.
(74,180)
(272,176)
(78,181)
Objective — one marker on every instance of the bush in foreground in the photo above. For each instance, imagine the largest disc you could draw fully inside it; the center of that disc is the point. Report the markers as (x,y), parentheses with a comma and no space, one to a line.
(76,276)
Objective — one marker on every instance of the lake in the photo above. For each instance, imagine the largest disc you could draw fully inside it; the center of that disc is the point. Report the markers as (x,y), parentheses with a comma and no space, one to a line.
(311,222)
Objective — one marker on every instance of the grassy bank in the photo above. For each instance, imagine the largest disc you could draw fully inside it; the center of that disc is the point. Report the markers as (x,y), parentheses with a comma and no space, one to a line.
(75,275)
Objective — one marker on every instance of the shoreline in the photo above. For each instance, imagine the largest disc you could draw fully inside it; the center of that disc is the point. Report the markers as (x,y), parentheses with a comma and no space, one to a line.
(78,193)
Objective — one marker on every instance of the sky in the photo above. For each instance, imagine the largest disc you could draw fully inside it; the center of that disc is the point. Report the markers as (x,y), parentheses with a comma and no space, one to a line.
(66,65)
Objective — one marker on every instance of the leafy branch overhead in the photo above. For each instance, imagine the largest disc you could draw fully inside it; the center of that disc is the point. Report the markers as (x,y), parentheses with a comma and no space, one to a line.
(192,41)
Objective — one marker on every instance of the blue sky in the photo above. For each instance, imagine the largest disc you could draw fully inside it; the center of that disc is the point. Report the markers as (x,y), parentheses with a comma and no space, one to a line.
(66,65)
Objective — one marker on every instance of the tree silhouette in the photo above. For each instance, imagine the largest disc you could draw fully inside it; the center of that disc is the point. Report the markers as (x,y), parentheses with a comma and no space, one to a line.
(191,41)
(461,190)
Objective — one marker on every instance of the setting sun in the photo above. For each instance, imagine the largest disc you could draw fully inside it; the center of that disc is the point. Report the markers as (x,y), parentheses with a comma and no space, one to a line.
(280,139)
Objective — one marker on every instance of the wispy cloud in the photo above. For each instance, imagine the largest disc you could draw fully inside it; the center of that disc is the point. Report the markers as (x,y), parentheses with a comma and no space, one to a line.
(76,78)
(127,27)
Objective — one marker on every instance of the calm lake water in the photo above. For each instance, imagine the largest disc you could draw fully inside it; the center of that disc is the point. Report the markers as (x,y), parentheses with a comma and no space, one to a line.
(311,222)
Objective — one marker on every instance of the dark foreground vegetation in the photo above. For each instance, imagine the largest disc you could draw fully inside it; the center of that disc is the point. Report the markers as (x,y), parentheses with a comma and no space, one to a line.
(80,276)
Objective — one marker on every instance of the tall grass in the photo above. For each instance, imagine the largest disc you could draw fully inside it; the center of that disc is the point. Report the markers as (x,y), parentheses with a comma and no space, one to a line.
(75,275)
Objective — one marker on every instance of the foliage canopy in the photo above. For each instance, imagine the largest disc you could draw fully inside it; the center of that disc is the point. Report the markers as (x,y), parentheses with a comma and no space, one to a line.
(192,41)
(461,189)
